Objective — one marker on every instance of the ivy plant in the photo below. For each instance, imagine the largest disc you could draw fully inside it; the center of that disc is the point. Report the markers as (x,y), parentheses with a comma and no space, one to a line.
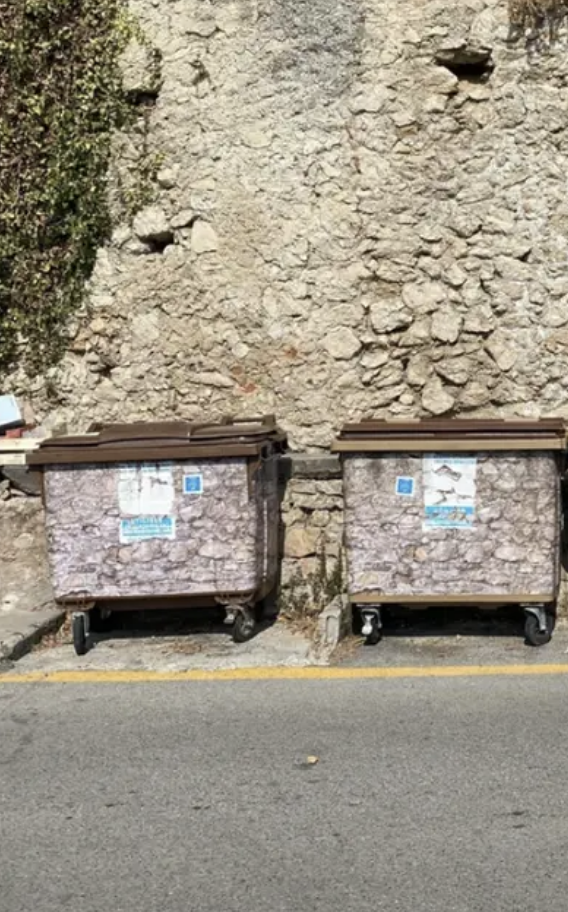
(61,101)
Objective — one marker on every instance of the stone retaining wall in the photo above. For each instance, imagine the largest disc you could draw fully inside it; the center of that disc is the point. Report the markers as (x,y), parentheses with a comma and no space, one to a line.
(361,211)
(24,574)
(313,571)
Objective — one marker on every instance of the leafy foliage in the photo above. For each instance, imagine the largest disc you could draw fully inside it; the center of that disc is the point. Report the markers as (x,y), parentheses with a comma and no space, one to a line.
(61,100)
(537,21)
(308,594)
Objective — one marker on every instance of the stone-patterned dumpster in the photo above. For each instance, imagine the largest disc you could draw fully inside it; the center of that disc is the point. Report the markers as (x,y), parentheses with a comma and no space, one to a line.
(163,511)
(451,512)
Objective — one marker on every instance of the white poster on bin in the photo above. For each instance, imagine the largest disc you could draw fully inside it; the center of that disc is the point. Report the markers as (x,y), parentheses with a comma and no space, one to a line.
(146,489)
(449,491)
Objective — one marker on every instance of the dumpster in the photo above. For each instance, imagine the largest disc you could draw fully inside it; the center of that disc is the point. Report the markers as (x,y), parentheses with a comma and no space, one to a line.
(151,515)
(453,512)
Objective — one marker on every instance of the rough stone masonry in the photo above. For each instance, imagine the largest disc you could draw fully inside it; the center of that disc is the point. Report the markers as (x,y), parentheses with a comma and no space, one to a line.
(361,211)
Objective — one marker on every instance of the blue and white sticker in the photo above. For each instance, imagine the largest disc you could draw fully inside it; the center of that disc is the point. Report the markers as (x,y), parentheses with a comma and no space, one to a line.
(144,528)
(449,517)
(405,486)
(193,483)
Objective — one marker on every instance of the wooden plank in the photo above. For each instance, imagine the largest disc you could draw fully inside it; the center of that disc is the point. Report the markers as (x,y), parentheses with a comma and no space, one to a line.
(14,450)
(19,444)
(10,459)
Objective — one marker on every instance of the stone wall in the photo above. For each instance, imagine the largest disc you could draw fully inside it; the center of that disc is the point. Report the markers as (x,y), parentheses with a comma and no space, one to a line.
(24,577)
(313,568)
(361,210)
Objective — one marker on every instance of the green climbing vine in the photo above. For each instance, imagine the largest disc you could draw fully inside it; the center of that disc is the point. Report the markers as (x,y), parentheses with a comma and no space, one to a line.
(61,101)
(536,21)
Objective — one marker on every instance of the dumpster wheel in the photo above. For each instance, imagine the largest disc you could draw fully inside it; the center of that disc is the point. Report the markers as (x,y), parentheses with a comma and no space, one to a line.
(244,626)
(80,632)
(374,637)
(372,625)
(539,625)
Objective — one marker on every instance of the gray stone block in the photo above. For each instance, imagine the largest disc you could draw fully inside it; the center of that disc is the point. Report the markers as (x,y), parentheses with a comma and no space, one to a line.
(310,466)
(333,622)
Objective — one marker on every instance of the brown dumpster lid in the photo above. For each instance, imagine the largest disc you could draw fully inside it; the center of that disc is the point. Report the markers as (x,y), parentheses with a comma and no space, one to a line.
(161,440)
(460,433)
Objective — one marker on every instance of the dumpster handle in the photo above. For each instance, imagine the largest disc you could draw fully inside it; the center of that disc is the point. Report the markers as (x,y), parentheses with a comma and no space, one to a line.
(253,466)
(256,419)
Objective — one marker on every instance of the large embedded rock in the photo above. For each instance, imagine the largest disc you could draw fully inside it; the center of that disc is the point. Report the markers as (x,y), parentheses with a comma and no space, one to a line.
(342,344)
(203,237)
(151,226)
(436,399)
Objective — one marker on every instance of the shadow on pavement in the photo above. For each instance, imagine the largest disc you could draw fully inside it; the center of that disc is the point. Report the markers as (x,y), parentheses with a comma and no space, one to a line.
(168,622)
(451,621)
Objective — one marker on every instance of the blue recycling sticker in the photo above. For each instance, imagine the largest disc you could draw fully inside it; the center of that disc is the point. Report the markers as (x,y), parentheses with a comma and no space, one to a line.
(193,484)
(405,486)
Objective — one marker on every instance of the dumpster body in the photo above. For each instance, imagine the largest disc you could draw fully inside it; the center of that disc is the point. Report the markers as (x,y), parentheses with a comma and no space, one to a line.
(453,512)
(162,512)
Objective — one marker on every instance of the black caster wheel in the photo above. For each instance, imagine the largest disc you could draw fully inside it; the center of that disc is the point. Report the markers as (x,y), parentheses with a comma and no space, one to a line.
(374,637)
(79,634)
(534,636)
(244,627)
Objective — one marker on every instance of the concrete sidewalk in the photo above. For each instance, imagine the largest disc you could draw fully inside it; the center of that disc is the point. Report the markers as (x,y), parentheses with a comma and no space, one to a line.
(27,609)
(21,629)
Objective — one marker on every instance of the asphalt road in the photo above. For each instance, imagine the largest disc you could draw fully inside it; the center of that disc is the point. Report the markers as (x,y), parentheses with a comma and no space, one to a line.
(429,795)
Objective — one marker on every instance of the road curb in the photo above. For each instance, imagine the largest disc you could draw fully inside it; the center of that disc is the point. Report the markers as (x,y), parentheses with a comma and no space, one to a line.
(16,645)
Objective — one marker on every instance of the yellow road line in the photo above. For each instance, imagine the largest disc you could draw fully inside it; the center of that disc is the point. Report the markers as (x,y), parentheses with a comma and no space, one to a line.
(311,673)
